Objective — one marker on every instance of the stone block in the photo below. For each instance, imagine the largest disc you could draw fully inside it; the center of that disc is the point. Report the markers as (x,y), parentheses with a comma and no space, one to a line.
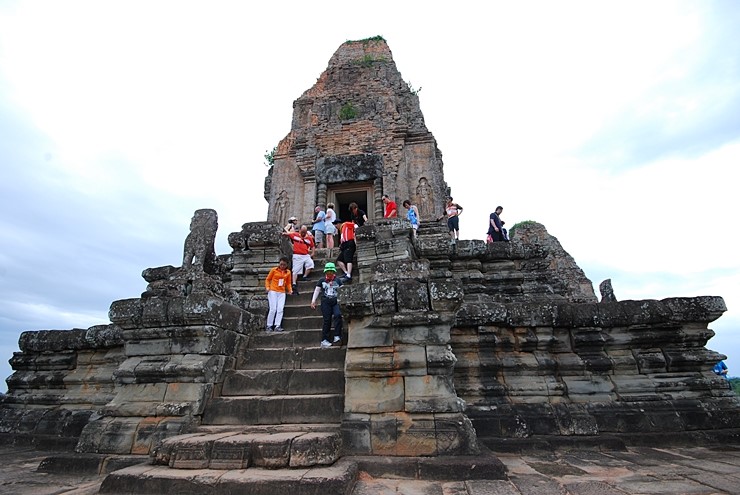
(191,396)
(154,311)
(356,434)
(118,436)
(315,448)
(422,334)
(149,347)
(355,300)
(53,340)
(519,363)
(126,313)
(650,360)
(574,419)
(416,435)
(384,298)
(455,435)
(210,310)
(145,432)
(369,336)
(589,388)
(404,269)
(703,309)
(476,314)
(409,360)
(431,393)
(440,359)
(272,451)
(104,336)
(193,451)
(232,452)
(374,395)
(588,339)
(624,362)
(369,360)
(384,434)
(412,296)
(137,399)
(526,385)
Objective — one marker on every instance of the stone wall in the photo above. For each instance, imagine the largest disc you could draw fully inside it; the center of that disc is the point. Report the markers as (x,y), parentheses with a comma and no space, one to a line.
(61,380)
(400,396)
(538,356)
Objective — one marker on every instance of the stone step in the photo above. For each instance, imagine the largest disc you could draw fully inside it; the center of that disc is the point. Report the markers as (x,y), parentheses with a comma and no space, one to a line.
(284,382)
(337,479)
(310,321)
(309,337)
(291,358)
(276,409)
(240,450)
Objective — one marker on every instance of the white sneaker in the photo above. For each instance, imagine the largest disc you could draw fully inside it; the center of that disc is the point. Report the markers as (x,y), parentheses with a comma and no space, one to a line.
(325,344)
(337,338)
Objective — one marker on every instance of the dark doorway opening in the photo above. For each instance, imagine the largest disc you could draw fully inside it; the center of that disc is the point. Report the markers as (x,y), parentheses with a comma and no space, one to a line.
(343,199)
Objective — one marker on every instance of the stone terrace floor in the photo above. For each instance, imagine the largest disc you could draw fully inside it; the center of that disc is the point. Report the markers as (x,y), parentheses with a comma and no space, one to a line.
(639,470)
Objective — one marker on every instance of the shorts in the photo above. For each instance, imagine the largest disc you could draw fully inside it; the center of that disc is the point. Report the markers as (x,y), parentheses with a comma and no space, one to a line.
(301,263)
(347,251)
(453,223)
(330,229)
(318,236)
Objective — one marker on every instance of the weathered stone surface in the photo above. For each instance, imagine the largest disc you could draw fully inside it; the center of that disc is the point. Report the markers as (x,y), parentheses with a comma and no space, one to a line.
(361,94)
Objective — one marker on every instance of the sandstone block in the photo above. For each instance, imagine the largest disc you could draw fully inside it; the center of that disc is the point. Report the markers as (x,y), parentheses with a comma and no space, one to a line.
(589,389)
(272,451)
(699,309)
(412,296)
(419,334)
(126,313)
(356,300)
(369,337)
(232,452)
(356,434)
(118,436)
(384,298)
(374,395)
(317,448)
(432,393)
(446,295)
(440,359)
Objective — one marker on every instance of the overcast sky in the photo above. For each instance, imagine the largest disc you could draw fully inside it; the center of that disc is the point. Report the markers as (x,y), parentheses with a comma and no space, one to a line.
(615,124)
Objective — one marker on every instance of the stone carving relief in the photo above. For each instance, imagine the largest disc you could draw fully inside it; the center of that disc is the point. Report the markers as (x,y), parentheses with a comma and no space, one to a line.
(282,208)
(425,198)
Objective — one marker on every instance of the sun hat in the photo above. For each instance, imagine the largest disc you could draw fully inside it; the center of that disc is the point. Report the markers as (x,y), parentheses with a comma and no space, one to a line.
(330,267)
(292,218)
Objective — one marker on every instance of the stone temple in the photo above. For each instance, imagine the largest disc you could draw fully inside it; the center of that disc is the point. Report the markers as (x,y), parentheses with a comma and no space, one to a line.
(450,353)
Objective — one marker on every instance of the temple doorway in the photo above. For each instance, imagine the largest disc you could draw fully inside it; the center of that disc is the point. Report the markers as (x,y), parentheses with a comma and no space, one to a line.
(342,196)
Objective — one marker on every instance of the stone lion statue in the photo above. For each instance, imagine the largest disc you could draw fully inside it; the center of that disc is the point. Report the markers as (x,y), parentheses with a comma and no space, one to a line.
(200,253)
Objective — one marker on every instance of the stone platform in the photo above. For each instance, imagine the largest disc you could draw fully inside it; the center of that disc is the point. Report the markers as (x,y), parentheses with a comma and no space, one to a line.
(636,471)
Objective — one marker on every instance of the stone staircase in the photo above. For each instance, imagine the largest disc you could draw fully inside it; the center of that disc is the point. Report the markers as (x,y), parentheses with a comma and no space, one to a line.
(277,416)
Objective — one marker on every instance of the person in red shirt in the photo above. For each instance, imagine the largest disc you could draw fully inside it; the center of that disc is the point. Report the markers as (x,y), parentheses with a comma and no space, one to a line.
(303,251)
(347,248)
(277,283)
(391,210)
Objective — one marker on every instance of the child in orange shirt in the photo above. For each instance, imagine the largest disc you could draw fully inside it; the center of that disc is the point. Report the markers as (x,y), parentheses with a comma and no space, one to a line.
(277,283)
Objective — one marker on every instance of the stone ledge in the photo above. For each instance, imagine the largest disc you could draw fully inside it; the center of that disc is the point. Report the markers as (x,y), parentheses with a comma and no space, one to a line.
(448,468)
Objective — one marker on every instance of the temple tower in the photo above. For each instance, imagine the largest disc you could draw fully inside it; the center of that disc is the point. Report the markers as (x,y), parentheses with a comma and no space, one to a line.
(357,134)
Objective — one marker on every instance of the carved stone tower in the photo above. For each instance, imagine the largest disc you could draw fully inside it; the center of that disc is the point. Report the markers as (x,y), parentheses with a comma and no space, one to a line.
(357,134)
